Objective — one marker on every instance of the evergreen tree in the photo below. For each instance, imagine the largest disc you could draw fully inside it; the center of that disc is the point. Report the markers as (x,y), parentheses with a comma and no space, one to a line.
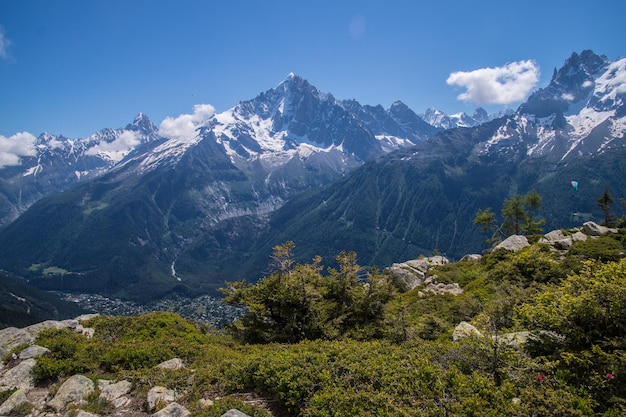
(519,215)
(605,202)
(514,215)
(533,202)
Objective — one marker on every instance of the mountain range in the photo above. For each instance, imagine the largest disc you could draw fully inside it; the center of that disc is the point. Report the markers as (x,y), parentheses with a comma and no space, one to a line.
(185,213)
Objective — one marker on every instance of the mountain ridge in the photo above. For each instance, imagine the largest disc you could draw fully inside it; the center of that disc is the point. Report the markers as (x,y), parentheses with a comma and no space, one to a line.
(186,213)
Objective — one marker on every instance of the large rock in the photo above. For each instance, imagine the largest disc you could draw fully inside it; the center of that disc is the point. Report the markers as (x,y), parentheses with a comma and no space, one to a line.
(115,392)
(410,274)
(563,244)
(17,398)
(20,376)
(471,257)
(175,363)
(579,237)
(35,329)
(513,243)
(160,396)
(72,324)
(464,330)
(73,391)
(594,229)
(12,337)
(172,410)
(33,351)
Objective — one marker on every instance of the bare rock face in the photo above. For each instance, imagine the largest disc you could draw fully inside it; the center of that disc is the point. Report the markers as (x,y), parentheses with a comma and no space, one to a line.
(513,243)
(73,391)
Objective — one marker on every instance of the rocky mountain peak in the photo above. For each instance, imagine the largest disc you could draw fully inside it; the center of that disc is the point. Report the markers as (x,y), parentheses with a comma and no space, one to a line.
(143,125)
(571,84)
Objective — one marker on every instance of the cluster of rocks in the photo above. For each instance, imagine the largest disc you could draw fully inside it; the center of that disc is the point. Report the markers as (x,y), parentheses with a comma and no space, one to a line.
(558,240)
(415,273)
(17,345)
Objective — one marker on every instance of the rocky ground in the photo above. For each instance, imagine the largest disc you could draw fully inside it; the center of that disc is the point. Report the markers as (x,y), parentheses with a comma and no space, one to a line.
(77,391)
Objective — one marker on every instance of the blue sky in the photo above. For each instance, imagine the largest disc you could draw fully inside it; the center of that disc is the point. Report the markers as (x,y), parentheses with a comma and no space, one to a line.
(73,67)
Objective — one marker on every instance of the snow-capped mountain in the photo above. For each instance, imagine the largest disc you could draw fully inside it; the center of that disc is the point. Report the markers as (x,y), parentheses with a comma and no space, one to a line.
(56,163)
(581,112)
(295,121)
(441,120)
(190,211)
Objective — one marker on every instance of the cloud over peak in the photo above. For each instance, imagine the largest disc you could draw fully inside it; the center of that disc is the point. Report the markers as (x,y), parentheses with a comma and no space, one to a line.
(508,84)
(13,148)
(185,125)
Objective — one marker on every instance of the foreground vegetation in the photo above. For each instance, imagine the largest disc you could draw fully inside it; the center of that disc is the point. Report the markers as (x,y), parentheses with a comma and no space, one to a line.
(345,342)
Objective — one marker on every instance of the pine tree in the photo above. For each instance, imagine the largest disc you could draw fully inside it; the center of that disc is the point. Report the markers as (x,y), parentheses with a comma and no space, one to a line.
(605,202)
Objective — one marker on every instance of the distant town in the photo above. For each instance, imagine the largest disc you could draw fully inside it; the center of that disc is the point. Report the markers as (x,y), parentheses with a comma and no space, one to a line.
(205,309)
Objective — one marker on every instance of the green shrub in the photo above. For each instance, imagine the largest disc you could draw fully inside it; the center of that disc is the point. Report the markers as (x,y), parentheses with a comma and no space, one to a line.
(604,248)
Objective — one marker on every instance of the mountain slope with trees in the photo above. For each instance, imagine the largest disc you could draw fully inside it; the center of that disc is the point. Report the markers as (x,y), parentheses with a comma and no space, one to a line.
(548,339)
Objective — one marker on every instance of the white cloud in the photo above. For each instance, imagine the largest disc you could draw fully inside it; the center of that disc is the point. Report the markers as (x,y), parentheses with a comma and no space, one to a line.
(4,45)
(501,85)
(13,148)
(123,144)
(185,125)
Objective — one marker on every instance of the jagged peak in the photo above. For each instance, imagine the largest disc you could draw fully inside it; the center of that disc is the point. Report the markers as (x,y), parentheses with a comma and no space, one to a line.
(398,104)
(143,124)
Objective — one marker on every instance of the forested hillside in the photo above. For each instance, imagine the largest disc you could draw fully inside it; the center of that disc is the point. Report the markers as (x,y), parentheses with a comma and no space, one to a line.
(534,331)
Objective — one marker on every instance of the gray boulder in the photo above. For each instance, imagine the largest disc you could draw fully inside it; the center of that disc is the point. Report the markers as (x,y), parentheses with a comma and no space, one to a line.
(554,235)
(594,229)
(464,330)
(33,351)
(20,376)
(563,244)
(471,257)
(171,364)
(12,337)
(160,395)
(35,329)
(513,243)
(73,391)
(115,392)
(410,274)
(172,410)
(17,398)
(579,237)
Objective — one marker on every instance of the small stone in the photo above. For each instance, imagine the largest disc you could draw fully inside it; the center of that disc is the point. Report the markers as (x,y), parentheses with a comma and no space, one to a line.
(205,403)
